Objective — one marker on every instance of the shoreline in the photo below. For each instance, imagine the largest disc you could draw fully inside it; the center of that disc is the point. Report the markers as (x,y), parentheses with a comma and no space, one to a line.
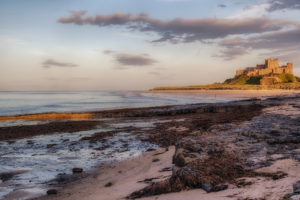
(87,115)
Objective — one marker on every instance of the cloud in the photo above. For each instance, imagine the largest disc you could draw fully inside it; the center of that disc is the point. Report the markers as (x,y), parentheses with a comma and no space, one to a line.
(125,59)
(232,53)
(181,29)
(222,6)
(270,6)
(52,63)
(283,5)
(135,60)
(253,11)
(285,42)
(107,52)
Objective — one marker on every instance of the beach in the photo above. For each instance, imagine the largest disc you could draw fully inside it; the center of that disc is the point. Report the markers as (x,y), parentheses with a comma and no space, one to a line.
(240,149)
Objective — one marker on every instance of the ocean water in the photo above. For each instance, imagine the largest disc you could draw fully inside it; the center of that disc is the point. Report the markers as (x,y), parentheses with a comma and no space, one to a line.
(15,103)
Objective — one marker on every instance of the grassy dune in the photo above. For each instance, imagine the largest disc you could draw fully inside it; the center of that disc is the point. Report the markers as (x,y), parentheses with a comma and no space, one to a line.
(225,86)
(243,82)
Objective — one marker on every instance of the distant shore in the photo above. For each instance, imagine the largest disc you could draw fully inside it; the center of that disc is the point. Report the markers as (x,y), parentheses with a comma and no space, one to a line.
(224,86)
(242,94)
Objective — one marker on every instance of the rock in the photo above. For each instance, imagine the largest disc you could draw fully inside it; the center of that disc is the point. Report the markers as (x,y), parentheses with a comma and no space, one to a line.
(218,188)
(207,187)
(295,197)
(77,170)
(50,145)
(10,141)
(178,158)
(109,184)
(213,188)
(52,191)
(296,187)
(150,149)
(279,175)
(30,142)
(6,176)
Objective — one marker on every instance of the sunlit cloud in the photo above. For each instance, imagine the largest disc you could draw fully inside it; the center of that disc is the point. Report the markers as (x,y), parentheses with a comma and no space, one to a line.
(181,29)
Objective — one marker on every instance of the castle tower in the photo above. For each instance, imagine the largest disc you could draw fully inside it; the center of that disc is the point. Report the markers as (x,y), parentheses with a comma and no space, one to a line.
(272,65)
(289,68)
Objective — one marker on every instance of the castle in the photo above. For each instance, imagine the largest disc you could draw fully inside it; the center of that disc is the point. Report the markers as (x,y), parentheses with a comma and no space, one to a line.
(270,67)
(268,70)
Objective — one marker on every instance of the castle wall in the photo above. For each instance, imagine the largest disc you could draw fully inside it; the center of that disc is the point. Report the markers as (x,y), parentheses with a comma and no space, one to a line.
(270,66)
(264,71)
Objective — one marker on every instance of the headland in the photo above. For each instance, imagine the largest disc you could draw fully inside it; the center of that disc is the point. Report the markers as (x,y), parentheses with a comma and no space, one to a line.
(267,76)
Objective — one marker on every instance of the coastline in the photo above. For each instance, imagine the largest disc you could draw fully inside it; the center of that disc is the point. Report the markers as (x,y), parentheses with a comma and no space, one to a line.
(239,94)
(195,123)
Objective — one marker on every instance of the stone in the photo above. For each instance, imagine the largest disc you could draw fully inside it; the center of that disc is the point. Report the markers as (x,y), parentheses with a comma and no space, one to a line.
(218,188)
(295,197)
(178,158)
(51,191)
(109,184)
(77,170)
(296,187)
(207,187)
(50,145)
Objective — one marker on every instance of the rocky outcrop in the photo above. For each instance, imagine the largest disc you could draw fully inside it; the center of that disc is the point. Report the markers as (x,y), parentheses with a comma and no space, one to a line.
(215,155)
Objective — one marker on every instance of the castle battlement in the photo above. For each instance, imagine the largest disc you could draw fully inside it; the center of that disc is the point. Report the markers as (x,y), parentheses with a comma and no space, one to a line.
(271,66)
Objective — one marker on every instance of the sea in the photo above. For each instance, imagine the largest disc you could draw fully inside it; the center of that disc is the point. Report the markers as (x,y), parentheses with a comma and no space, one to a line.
(16,103)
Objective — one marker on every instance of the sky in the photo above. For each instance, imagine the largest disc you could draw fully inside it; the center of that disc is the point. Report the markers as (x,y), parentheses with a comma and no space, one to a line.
(62,45)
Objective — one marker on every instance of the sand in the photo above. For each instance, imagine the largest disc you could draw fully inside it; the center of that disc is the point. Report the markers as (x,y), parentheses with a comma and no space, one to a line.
(125,177)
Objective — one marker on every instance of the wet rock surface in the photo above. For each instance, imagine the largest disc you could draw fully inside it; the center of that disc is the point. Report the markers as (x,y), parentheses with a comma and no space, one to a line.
(16,132)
